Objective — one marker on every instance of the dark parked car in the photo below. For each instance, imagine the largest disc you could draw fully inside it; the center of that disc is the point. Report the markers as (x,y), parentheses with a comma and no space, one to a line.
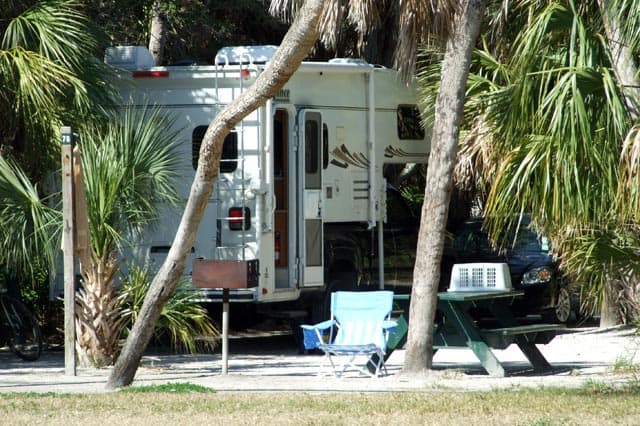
(531,267)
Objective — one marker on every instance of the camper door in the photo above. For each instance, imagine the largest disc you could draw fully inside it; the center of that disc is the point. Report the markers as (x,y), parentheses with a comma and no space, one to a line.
(309,193)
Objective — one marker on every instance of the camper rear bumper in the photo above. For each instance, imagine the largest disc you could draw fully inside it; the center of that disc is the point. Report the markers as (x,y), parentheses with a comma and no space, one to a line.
(211,295)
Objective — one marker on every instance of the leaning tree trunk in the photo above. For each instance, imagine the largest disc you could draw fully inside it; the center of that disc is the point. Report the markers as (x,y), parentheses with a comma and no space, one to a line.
(294,48)
(444,143)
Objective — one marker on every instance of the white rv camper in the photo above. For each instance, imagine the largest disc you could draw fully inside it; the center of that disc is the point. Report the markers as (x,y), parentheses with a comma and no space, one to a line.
(301,200)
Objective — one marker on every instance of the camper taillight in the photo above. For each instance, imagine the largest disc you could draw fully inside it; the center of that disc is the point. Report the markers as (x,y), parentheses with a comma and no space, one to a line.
(150,74)
(237,218)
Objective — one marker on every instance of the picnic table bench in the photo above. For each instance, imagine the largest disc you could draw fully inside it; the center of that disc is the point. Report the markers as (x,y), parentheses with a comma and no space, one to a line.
(457,327)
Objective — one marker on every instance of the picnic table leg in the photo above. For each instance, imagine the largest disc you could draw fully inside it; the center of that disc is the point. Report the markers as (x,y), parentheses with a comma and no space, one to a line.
(529,349)
(464,325)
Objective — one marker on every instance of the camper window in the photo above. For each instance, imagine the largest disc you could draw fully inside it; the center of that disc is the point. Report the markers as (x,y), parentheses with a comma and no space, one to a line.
(409,123)
(311,157)
(229,159)
(325,146)
(313,150)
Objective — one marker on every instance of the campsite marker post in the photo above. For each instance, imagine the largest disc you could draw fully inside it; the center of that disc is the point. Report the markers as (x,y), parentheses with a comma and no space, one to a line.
(68,237)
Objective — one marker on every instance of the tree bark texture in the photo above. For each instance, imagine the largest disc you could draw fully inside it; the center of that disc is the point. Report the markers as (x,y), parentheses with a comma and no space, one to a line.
(294,48)
(608,312)
(626,72)
(98,317)
(157,37)
(623,64)
(444,144)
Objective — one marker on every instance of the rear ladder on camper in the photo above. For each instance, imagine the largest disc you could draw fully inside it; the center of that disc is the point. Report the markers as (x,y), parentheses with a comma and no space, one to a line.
(229,186)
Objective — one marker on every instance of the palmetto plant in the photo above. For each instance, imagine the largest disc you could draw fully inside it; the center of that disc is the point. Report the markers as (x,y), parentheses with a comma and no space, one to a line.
(46,77)
(129,165)
(183,320)
(28,225)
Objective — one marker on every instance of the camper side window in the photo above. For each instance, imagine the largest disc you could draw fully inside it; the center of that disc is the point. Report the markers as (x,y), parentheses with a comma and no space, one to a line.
(229,159)
(409,123)
(325,146)
(311,152)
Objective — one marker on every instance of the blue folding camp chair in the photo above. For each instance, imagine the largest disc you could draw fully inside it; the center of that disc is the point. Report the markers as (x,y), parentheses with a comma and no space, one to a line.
(359,327)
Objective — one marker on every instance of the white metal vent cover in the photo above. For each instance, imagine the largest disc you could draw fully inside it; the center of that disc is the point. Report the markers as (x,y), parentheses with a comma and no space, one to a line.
(480,277)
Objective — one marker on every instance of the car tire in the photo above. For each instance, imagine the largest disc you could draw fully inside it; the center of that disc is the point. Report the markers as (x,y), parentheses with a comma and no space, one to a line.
(563,309)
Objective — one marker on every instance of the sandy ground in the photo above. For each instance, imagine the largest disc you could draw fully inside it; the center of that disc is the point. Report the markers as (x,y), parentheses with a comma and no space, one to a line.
(578,356)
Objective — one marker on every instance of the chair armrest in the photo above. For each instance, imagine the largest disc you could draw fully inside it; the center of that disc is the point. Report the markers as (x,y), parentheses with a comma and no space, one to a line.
(319,326)
(313,334)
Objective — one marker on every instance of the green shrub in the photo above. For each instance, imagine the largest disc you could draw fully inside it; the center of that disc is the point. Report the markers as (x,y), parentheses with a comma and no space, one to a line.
(183,320)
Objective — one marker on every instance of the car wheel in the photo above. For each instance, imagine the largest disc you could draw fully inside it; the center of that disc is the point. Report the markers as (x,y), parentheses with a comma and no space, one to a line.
(562,309)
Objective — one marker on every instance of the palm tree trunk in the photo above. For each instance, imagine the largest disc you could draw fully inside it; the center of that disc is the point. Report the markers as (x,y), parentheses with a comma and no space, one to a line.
(294,48)
(623,64)
(626,73)
(98,317)
(158,33)
(608,308)
(444,143)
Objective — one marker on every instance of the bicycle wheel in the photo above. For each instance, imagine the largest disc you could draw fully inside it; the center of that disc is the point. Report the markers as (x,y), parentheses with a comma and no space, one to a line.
(24,334)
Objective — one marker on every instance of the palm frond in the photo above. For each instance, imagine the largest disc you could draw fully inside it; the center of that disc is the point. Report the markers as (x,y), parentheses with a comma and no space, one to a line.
(420,23)
(36,83)
(29,228)
(47,77)
(129,167)
(182,319)
(53,28)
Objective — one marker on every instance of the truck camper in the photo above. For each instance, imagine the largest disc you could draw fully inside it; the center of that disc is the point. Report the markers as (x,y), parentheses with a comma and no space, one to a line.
(301,206)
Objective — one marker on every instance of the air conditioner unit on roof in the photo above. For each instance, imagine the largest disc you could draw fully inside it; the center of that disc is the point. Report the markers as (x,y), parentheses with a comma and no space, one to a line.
(245,54)
(129,57)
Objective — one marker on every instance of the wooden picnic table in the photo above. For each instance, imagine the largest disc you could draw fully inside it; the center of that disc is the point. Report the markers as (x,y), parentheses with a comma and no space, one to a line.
(457,327)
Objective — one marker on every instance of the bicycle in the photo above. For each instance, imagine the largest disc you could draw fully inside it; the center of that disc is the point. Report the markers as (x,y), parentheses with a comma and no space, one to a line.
(19,329)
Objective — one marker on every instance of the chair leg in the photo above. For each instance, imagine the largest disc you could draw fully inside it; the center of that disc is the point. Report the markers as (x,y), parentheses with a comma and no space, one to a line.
(332,365)
(373,367)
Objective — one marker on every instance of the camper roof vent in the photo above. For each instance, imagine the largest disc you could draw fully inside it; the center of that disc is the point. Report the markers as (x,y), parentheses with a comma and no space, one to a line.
(245,55)
(349,61)
(129,57)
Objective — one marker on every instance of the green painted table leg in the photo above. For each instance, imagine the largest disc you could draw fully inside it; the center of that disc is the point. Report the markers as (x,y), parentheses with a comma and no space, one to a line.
(457,314)
(529,349)
(399,337)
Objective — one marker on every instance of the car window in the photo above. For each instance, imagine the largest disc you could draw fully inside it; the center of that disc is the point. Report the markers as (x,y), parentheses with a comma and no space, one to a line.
(472,239)
(526,241)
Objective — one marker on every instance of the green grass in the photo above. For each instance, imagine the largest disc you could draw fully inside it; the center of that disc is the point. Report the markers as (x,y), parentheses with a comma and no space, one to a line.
(188,404)
(169,387)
